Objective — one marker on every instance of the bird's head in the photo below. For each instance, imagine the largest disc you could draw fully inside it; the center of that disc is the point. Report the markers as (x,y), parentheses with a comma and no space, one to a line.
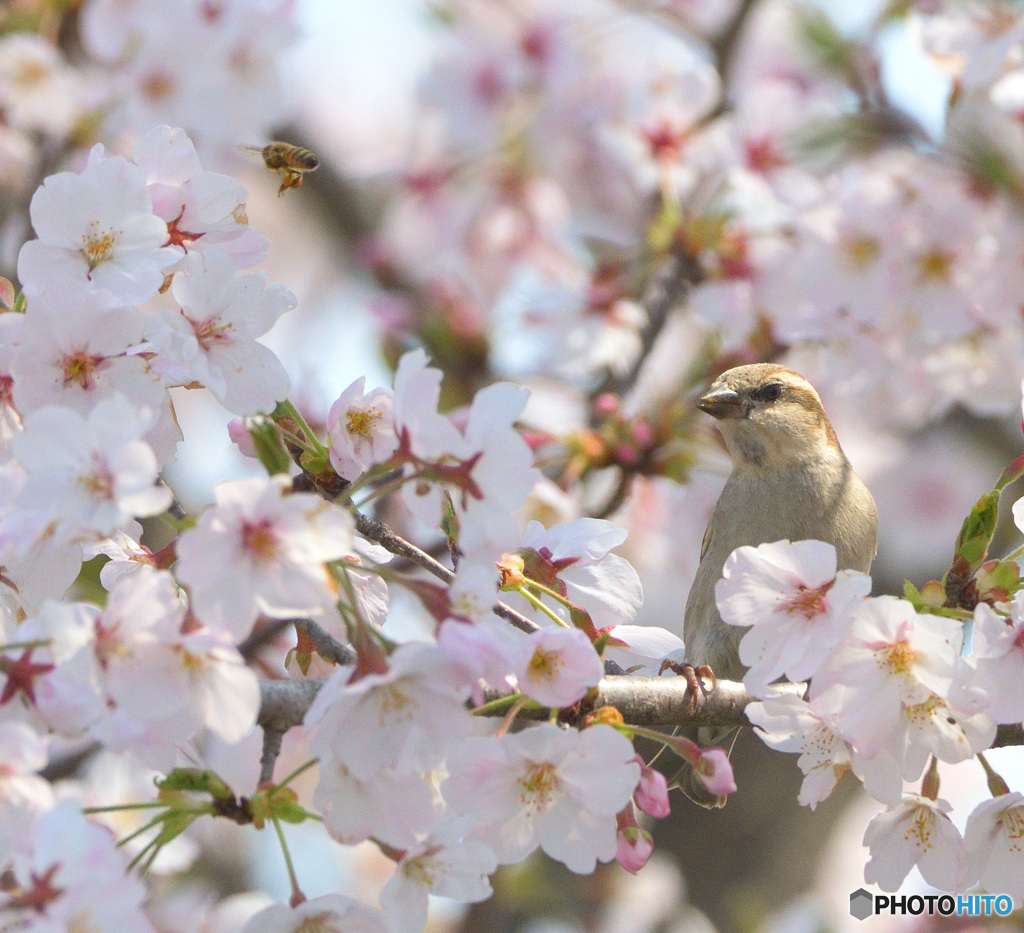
(770,416)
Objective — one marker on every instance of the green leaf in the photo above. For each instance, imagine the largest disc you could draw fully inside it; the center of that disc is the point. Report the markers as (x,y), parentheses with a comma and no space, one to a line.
(270,449)
(196,780)
(998,580)
(976,535)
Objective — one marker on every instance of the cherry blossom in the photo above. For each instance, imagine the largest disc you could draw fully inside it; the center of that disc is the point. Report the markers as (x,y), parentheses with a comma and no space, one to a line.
(796,603)
(202,210)
(71,875)
(405,717)
(486,466)
(130,675)
(998,650)
(272,552)
(992,837)
(556,788)
(212,339)
(74,355)
(24,796)
(90,474)
(789,724)
(576,559)
(395,808)
(361,429)
(37,89)
(651,794)
(330,913)
(892,659)
(444,864)
(97,234)
(557,666)
(193,66)
(640,649)
(918,832)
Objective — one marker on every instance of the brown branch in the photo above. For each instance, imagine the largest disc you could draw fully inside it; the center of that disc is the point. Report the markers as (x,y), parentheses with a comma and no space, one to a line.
(328,647)
(284,703)
(724,44)
(272,739)
(667,289)
(643,701)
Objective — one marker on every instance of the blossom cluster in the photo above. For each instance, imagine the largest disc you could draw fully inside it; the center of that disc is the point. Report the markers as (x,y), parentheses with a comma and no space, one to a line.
(891,689)
(138,283)
(560,167)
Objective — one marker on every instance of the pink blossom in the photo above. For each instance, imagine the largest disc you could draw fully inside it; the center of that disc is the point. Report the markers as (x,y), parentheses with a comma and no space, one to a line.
(556,666)
(575,558)
(992,836)
(715,771)
(97,234)
(71,875)
(640,649)
(635,844)
(395,808)
(796,604)
(211,340)
(556,788)
(329,913)
(916,832)
(891,659)
(444,863)
(998,651)
(91,474)
(271,553)
(405,718)
(24,796)
(362,429)
(202,210)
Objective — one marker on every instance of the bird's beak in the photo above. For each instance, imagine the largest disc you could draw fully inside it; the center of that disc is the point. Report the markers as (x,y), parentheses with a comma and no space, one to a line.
(722,403)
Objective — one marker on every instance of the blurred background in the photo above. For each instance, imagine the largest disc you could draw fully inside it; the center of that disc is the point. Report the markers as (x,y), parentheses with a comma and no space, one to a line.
(609,201)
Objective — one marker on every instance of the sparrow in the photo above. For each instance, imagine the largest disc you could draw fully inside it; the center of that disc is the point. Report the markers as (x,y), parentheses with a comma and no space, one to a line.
(790,480)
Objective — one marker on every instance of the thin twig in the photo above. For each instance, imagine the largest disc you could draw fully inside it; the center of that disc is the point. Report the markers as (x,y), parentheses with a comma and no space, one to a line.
(390,541)
(261,636)
(328,647)
(272,739)
(668,289)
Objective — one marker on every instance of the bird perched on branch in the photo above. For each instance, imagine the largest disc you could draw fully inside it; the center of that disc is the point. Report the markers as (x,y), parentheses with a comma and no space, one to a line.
(790,480)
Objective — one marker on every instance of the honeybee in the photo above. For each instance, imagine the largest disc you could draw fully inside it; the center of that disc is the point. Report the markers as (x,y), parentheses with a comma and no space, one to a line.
(290,161)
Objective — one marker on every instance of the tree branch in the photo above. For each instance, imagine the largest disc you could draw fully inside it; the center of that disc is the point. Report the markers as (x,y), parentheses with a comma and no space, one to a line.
(328,647)
(643,701)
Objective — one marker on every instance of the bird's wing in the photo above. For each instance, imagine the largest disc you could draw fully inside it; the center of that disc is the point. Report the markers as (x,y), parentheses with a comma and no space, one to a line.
(706,542)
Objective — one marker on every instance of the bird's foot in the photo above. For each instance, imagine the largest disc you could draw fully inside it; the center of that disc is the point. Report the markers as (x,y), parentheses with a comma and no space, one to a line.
(694,677)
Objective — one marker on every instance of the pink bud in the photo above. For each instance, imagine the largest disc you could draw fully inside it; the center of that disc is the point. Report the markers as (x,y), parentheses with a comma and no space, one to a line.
(633,844)
(241,437)
(626,454)
(643,433)
(606,404)
(651,794)
(715,772)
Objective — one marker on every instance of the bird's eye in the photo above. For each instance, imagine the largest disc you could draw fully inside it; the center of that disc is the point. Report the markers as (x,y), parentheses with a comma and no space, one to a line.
(769,393)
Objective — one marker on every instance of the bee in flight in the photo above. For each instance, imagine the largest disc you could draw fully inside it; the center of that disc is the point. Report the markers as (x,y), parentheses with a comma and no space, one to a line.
(290,161)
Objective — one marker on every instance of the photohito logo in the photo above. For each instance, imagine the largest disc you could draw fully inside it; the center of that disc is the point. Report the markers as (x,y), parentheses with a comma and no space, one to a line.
(864,904)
